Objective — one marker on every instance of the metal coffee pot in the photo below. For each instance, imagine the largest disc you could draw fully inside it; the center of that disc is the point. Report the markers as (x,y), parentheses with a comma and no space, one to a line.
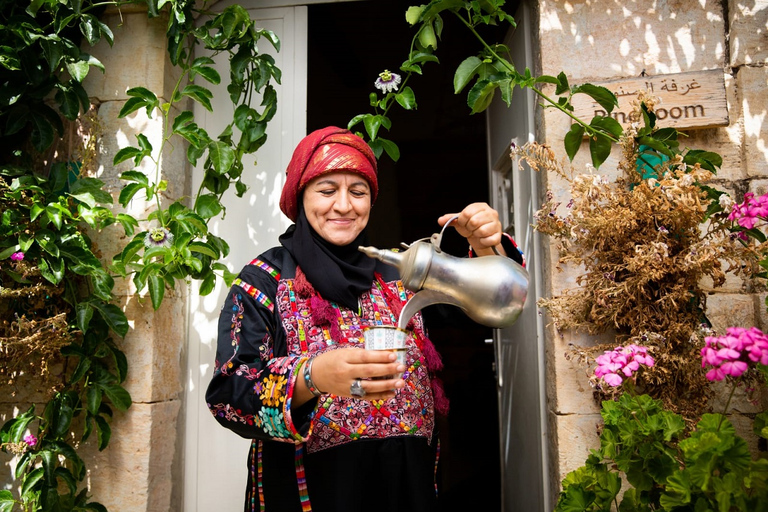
(491,289)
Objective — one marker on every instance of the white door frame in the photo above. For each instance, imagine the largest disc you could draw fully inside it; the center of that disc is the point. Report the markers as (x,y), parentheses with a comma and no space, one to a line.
(214,459)
(519,349)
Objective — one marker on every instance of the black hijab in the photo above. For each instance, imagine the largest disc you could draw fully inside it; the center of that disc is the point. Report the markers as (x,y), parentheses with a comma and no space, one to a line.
(338,273)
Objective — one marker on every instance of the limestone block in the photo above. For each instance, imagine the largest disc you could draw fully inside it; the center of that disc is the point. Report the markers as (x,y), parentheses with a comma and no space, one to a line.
(134,472)
(741,402)
(762,311)
(568,387)
(752,85)
(748,22)
(725,141)
(576,435)
(120,133)
(730,310)
(153,347)
(149,67)
(606,39)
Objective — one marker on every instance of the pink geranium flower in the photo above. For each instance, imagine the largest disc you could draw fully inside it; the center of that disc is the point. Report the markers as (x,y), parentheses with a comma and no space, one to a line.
(732,353)
(17,256)
(615,365)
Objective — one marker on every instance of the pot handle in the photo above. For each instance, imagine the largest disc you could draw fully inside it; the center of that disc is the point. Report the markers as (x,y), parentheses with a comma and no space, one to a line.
(438,238)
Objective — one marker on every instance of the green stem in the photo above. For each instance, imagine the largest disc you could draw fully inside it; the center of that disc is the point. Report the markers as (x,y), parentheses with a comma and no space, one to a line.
(589,129)
(725,409)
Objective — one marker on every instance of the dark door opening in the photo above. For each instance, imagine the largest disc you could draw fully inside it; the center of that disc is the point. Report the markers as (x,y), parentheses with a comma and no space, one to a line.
(442,168)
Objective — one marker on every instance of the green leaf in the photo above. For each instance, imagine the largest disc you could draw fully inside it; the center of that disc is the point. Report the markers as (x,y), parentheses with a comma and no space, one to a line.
(602,95)
(208,206)
(13,429)
(372,125)
(126,153)
(573,140)
(207,284)
(481,95)
(465,72)
(84,315)
(600,149)
(199,94)
(222,156)
(391,148)
(127,193)
(406,98)
(30,483)
(135,176)
(52,270)
(427,36)
(119,397)
(204,248)
(114,317)
(156,289)
(103,432)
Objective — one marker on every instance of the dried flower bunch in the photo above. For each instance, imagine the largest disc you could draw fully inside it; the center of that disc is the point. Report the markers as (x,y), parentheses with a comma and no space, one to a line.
(644,241)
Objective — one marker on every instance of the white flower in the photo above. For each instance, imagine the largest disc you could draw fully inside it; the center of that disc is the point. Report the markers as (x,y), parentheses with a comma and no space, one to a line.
(726,202)
(158,237)
(387,81)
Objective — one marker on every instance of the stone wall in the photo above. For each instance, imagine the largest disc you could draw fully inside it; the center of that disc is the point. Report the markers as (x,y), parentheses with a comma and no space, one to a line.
(597,40)
(141,466)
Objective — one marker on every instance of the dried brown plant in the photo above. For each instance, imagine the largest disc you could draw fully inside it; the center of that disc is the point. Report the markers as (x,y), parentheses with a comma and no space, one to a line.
(644,246)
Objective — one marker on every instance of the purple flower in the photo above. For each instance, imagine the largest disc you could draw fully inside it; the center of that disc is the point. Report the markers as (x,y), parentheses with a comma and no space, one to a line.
(612,364)
(30,440)
(17,256)
(732,353)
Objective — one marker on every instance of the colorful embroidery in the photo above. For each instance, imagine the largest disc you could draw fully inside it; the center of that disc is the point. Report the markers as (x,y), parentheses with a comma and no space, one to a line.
(266,268)
(301,477)
(257,475)
(255,293)
(272,392)
(234,332)
(339,420)
(228,413)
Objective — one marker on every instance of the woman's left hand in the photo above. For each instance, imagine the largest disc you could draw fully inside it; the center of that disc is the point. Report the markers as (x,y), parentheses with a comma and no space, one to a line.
(480,225)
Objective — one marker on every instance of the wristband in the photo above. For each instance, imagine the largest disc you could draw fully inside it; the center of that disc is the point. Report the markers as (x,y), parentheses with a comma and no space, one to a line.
(308,378)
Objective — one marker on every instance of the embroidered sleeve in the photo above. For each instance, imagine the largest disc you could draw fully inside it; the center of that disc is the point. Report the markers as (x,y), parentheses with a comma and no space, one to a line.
(253,378)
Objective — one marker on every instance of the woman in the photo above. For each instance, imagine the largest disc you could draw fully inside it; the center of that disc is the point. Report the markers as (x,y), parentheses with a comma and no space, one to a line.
(330,431)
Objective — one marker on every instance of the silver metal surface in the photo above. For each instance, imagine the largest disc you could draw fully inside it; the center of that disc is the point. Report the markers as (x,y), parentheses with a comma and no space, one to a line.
(491,289)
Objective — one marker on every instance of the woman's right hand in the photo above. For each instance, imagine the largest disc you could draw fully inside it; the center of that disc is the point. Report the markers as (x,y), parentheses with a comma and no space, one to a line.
(335,371)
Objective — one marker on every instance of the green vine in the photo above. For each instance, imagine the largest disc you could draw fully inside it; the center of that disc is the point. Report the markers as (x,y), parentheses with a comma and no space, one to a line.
(49,270)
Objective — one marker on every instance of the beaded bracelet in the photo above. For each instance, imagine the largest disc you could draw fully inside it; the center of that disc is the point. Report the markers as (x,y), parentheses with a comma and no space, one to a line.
(308,378)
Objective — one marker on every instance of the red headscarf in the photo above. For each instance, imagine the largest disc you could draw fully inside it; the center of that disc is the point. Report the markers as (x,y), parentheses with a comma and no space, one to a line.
(326,150)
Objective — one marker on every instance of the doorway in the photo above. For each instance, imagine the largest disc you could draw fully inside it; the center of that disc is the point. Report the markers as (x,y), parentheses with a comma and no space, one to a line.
(443,167)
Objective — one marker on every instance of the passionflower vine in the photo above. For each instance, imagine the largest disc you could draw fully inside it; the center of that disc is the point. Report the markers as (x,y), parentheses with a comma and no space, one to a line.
(17,256)
(732,353)
(30,439)
(158,237)
(614,365)
(388,81)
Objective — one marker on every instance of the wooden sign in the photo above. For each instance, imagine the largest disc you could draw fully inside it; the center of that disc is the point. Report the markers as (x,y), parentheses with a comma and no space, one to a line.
(695,99)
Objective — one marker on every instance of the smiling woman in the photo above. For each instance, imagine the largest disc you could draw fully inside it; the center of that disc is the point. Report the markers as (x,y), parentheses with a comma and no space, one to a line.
(337,206)
(292,371)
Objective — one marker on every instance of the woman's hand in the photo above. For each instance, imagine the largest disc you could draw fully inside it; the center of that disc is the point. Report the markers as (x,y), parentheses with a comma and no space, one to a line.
(335,371)
(480,225)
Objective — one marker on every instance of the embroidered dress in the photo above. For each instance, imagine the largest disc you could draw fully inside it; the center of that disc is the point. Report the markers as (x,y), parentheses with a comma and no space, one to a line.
(333,453)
